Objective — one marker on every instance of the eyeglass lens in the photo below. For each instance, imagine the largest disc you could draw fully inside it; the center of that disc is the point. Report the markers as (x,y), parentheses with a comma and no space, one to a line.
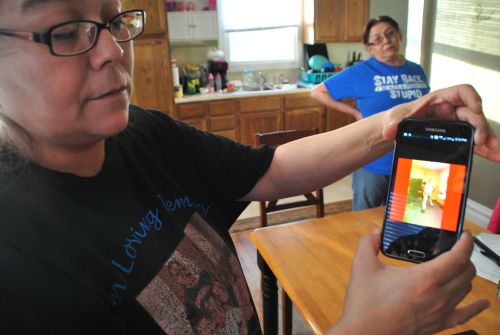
(78,37)
(380,38)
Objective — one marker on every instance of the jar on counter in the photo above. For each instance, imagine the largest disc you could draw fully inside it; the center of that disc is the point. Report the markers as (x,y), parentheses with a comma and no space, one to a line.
(178,91)
(193,79)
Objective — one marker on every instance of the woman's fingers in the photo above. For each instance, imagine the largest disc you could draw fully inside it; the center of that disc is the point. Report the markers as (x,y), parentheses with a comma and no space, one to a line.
(452,263)
(455,103)
(366,254)
(463,314)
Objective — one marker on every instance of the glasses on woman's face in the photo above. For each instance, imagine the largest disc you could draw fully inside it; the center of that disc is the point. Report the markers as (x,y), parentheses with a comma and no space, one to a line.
(378,39)
(79,36)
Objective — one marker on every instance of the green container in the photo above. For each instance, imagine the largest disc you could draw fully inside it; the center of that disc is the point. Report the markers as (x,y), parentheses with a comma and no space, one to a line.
(315,78)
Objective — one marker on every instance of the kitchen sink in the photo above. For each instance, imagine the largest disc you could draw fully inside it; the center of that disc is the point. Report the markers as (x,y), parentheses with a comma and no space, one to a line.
(257,88)
(271,87)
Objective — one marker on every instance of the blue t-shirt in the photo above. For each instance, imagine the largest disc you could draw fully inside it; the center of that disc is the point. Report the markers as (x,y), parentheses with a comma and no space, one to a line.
(377,87)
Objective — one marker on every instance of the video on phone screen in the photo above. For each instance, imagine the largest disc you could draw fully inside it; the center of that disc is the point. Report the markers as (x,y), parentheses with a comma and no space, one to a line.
(427,193)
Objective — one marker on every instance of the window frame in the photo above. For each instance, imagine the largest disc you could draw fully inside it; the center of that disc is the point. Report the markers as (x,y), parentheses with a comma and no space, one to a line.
(297,62)
(265,64)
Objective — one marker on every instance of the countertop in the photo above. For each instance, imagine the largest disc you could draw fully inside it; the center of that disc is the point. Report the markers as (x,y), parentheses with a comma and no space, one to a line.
(238,95)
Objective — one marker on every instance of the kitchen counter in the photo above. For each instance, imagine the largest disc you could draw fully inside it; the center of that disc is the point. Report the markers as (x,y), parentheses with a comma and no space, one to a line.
(241,114)
(239,94)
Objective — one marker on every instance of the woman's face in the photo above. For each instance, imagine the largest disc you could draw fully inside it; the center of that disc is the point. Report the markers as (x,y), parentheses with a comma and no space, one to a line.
(383,42)
(68,102)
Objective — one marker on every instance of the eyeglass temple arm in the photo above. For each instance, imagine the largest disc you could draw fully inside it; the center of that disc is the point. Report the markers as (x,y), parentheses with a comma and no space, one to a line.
(24,35)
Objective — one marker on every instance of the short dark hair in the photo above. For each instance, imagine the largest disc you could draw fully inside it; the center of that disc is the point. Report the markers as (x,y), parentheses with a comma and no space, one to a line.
(374,21)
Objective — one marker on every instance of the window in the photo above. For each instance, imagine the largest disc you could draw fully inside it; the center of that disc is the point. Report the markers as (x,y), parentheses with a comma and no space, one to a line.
(465,49)
(414,30)
(261,34)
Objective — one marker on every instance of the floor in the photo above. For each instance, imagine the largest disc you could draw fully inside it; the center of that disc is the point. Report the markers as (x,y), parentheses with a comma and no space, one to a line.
(338,191)
(432,216)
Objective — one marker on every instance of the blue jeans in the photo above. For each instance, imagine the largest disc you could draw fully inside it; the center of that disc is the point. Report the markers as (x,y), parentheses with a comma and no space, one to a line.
(368,189)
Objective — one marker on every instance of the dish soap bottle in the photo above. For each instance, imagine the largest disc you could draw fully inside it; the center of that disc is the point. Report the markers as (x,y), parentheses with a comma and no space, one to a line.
(211,85)
(218,82)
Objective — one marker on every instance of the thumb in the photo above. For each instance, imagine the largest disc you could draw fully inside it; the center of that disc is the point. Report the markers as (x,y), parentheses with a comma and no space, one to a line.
(366,253)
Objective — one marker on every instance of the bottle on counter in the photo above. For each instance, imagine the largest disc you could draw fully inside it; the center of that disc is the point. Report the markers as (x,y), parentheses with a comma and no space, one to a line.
(178,91)
(203,76)
(211,84)
(176,80)
(248,79)
(218,82)
(183,78)
(175,73)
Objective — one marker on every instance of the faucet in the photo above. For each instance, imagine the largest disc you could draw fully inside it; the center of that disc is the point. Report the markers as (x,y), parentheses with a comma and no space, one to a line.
(262,79)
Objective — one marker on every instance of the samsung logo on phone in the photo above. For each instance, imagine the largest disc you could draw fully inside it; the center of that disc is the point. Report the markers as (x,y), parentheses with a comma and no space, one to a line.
(437,130)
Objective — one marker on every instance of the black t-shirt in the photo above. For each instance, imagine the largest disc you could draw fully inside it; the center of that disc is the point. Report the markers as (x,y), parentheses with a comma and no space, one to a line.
(141,248)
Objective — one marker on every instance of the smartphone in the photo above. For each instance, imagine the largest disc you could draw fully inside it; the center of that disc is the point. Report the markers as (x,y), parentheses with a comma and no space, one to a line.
(428,188)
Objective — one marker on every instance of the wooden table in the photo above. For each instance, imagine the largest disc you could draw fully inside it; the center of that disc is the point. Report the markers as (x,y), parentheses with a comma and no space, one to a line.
(312,261)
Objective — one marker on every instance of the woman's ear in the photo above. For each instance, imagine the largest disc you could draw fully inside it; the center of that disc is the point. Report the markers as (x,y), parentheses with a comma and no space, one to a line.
(369,48)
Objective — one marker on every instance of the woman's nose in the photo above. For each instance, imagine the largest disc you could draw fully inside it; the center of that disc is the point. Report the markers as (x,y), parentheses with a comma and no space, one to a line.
(107,49)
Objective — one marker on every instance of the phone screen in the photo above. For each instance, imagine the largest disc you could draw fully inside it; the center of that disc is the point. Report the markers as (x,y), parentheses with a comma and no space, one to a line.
(428,188)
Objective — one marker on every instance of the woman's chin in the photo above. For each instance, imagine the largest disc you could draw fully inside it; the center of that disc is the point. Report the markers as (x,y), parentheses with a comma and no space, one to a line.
(116,126)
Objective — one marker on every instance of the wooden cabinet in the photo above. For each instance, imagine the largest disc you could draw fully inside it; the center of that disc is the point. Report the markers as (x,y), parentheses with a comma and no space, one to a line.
(335,20)
(305,119)
(152,85)
(219,117)
(260,114)
(185,26)
(155,14)
(239,119)
(224,118)
(303,112)
(356,14)
(336,119)
(194,114)
(259,122)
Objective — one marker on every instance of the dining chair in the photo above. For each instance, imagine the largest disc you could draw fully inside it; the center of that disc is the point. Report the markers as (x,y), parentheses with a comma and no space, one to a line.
(315,198)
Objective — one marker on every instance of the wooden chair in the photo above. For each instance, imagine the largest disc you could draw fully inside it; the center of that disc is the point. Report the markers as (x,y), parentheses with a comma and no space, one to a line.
(311,199)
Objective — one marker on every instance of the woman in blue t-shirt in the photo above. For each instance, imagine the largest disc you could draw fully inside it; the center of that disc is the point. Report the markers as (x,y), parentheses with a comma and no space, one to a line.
(384,80)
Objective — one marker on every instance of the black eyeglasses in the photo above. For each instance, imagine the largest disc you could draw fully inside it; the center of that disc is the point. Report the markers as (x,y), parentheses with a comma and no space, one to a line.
(79,36)
(389,34)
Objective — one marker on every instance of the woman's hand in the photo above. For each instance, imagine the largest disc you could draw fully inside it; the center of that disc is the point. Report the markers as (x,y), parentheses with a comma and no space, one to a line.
(420,299)
(460,102)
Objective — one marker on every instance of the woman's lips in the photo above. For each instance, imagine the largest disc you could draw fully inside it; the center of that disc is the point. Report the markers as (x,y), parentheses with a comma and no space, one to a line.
(390,47)
(110,93)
